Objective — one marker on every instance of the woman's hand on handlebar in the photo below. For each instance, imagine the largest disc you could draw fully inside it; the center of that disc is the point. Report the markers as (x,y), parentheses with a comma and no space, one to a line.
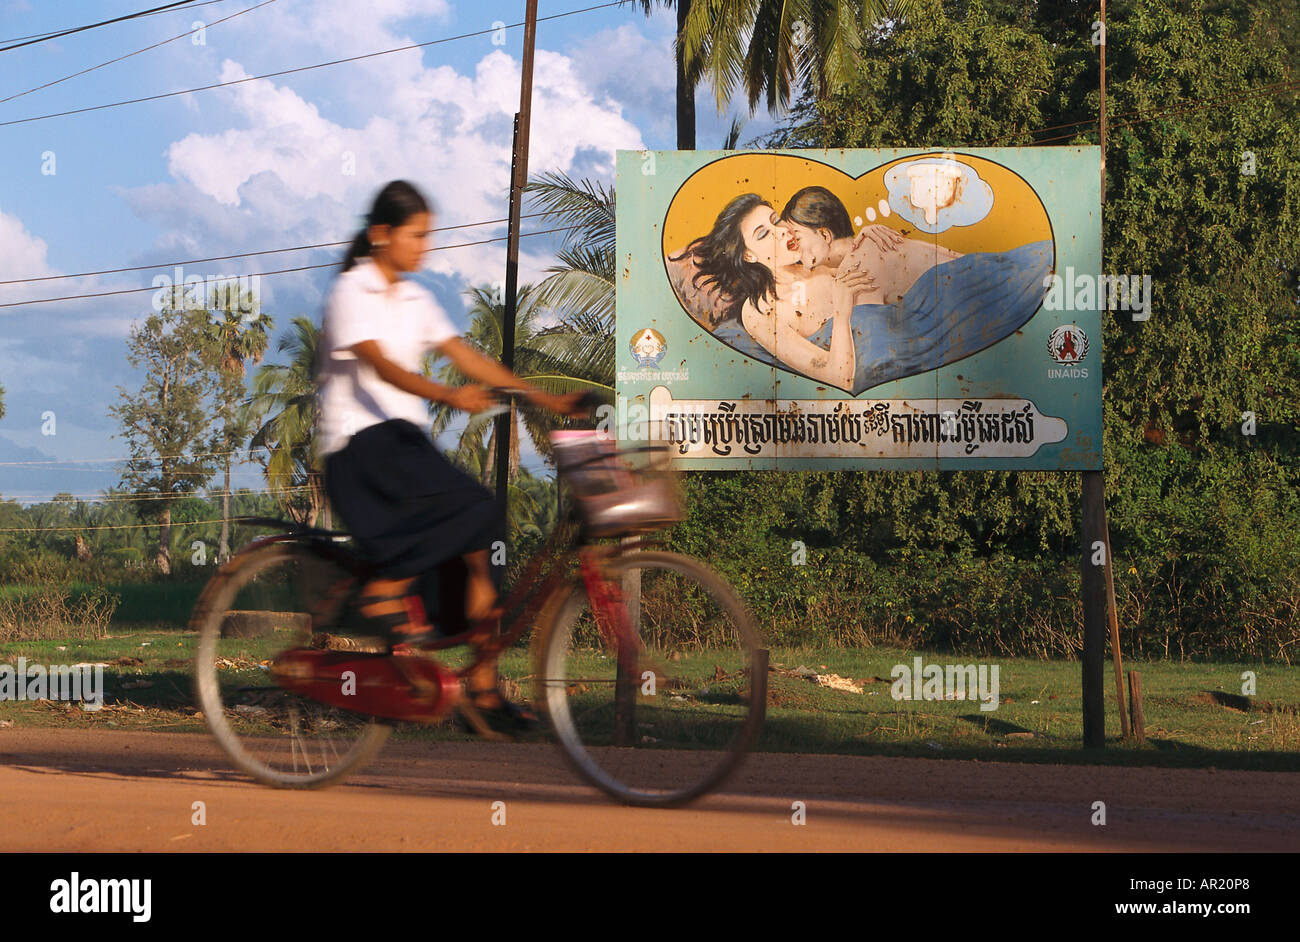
(574,405)
(471,398)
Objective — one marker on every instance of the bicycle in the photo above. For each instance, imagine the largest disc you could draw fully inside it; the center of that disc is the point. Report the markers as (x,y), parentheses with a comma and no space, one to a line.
(646,664)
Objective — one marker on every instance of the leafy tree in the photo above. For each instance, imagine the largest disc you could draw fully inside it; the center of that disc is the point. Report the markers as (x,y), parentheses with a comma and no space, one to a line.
(166,424)
(580,288)
(2,402)
(238,337)
(686,79)
(1202,516)
(283,409)
(556,359)
(769,47)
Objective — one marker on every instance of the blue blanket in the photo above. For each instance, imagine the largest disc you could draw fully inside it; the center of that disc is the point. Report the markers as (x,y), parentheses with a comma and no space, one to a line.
(952,311)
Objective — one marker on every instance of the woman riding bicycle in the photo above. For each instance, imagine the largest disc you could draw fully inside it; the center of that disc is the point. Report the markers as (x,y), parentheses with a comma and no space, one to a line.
(408,508)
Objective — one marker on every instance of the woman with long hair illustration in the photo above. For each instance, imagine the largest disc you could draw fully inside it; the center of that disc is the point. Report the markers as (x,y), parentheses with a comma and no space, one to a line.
(753,259)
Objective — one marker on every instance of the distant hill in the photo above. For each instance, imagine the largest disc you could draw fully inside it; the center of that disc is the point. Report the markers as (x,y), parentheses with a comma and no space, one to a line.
(32,483)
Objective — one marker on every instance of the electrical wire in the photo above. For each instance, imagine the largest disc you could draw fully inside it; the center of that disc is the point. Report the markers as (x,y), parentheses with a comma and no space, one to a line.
(281,271)
(82,29)
(222,258)
(304,68)
(49,33)
(130,54)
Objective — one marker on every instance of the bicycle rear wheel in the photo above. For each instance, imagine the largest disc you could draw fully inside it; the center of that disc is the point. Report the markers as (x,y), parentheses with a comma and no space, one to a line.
(680,712)
(266,596)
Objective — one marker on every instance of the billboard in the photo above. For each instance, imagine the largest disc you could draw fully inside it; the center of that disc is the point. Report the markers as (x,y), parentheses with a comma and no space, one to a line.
(894,308)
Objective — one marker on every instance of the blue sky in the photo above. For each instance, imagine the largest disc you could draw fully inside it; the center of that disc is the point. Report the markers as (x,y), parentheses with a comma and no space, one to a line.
(265,164)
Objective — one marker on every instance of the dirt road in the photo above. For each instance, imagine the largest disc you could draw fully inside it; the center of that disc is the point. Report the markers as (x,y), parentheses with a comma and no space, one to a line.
(119,791)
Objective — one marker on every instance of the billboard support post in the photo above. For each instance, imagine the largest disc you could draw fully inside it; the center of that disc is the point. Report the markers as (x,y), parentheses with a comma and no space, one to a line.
(1099,602)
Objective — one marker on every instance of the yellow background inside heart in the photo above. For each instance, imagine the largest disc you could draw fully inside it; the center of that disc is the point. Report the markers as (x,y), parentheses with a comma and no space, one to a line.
(1017,218)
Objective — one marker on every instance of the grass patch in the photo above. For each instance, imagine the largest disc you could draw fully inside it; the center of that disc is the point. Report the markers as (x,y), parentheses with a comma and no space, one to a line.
(1195,713)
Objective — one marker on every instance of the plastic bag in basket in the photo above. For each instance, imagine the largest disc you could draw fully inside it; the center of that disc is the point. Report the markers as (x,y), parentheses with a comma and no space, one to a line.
(612,498)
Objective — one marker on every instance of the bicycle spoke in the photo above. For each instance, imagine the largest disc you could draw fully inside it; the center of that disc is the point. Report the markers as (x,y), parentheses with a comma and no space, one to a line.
(682,712)
(278,736)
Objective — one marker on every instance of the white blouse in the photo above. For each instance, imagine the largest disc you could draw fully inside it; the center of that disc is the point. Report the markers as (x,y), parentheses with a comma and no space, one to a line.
(406,322)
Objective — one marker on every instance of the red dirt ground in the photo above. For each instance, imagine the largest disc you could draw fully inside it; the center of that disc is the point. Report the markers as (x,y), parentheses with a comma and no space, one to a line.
(74,790)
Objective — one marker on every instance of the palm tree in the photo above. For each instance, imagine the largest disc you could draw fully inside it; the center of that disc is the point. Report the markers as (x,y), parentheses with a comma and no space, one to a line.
(557,359)
(769,46)
(237,340)
(580,289)
(685,81)
(284,403)
(531,511)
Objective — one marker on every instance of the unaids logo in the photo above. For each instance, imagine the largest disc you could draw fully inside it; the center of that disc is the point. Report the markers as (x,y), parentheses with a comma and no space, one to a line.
(649,347)
(1068,344)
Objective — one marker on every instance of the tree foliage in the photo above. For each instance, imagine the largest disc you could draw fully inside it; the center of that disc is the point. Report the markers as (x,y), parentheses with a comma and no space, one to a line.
(1202,516)
(168,423)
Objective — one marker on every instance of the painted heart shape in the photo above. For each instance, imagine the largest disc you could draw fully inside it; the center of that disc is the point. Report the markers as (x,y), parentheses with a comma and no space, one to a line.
(856,281)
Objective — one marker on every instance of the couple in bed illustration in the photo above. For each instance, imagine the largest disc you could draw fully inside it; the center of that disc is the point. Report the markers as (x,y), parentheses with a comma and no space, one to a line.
(800,291)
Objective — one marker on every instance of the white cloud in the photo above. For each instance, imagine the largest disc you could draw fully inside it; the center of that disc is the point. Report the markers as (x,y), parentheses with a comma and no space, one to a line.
(279,177)
(22,254)
(627,64)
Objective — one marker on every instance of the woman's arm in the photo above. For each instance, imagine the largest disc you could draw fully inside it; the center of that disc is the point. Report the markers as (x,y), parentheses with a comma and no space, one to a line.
(486,370)
(467,398)
(835,366)
(474,365)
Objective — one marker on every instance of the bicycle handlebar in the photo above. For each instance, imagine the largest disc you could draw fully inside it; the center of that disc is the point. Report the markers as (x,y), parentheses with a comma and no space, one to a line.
(589,401)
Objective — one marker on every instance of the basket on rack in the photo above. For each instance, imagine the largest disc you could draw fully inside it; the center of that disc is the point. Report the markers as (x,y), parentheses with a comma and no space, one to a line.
(612,497)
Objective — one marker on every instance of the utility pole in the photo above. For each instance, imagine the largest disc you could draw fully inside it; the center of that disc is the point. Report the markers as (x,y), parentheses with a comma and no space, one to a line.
(518,179)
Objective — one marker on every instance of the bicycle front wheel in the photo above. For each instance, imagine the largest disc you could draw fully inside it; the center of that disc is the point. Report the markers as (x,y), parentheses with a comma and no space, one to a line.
(258,606)
(673,713)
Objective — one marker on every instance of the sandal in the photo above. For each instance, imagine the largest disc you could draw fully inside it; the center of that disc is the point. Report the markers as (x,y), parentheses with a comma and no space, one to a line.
(499,721)
(401,619)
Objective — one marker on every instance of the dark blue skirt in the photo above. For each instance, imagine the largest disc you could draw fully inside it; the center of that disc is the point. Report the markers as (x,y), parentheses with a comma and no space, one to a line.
(407,507)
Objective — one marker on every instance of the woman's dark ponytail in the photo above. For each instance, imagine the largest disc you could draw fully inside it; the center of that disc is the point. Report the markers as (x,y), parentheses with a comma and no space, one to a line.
(396,203)
(360,248)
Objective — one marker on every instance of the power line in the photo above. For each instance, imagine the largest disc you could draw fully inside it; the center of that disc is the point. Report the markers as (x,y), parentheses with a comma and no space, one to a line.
(130,54)
(205,474)
(281,271)
(47,461)
(136,498)
(38,462)
(222,258)
(114,526)
(82,29)
(304,68)
(46,35)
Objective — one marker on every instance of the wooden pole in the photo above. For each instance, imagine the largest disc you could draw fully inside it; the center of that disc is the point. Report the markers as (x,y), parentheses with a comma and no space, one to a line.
(1112,609)
(518,179)
(627,678)
(1103,102)
(1113,619)
(1094,611)
(1135,704)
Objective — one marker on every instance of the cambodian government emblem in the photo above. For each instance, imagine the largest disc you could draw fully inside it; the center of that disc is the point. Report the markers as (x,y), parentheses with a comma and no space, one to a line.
(1068,344)
(649,347)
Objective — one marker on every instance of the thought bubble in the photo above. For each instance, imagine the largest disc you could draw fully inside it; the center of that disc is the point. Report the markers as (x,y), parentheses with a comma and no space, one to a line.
(937,193)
